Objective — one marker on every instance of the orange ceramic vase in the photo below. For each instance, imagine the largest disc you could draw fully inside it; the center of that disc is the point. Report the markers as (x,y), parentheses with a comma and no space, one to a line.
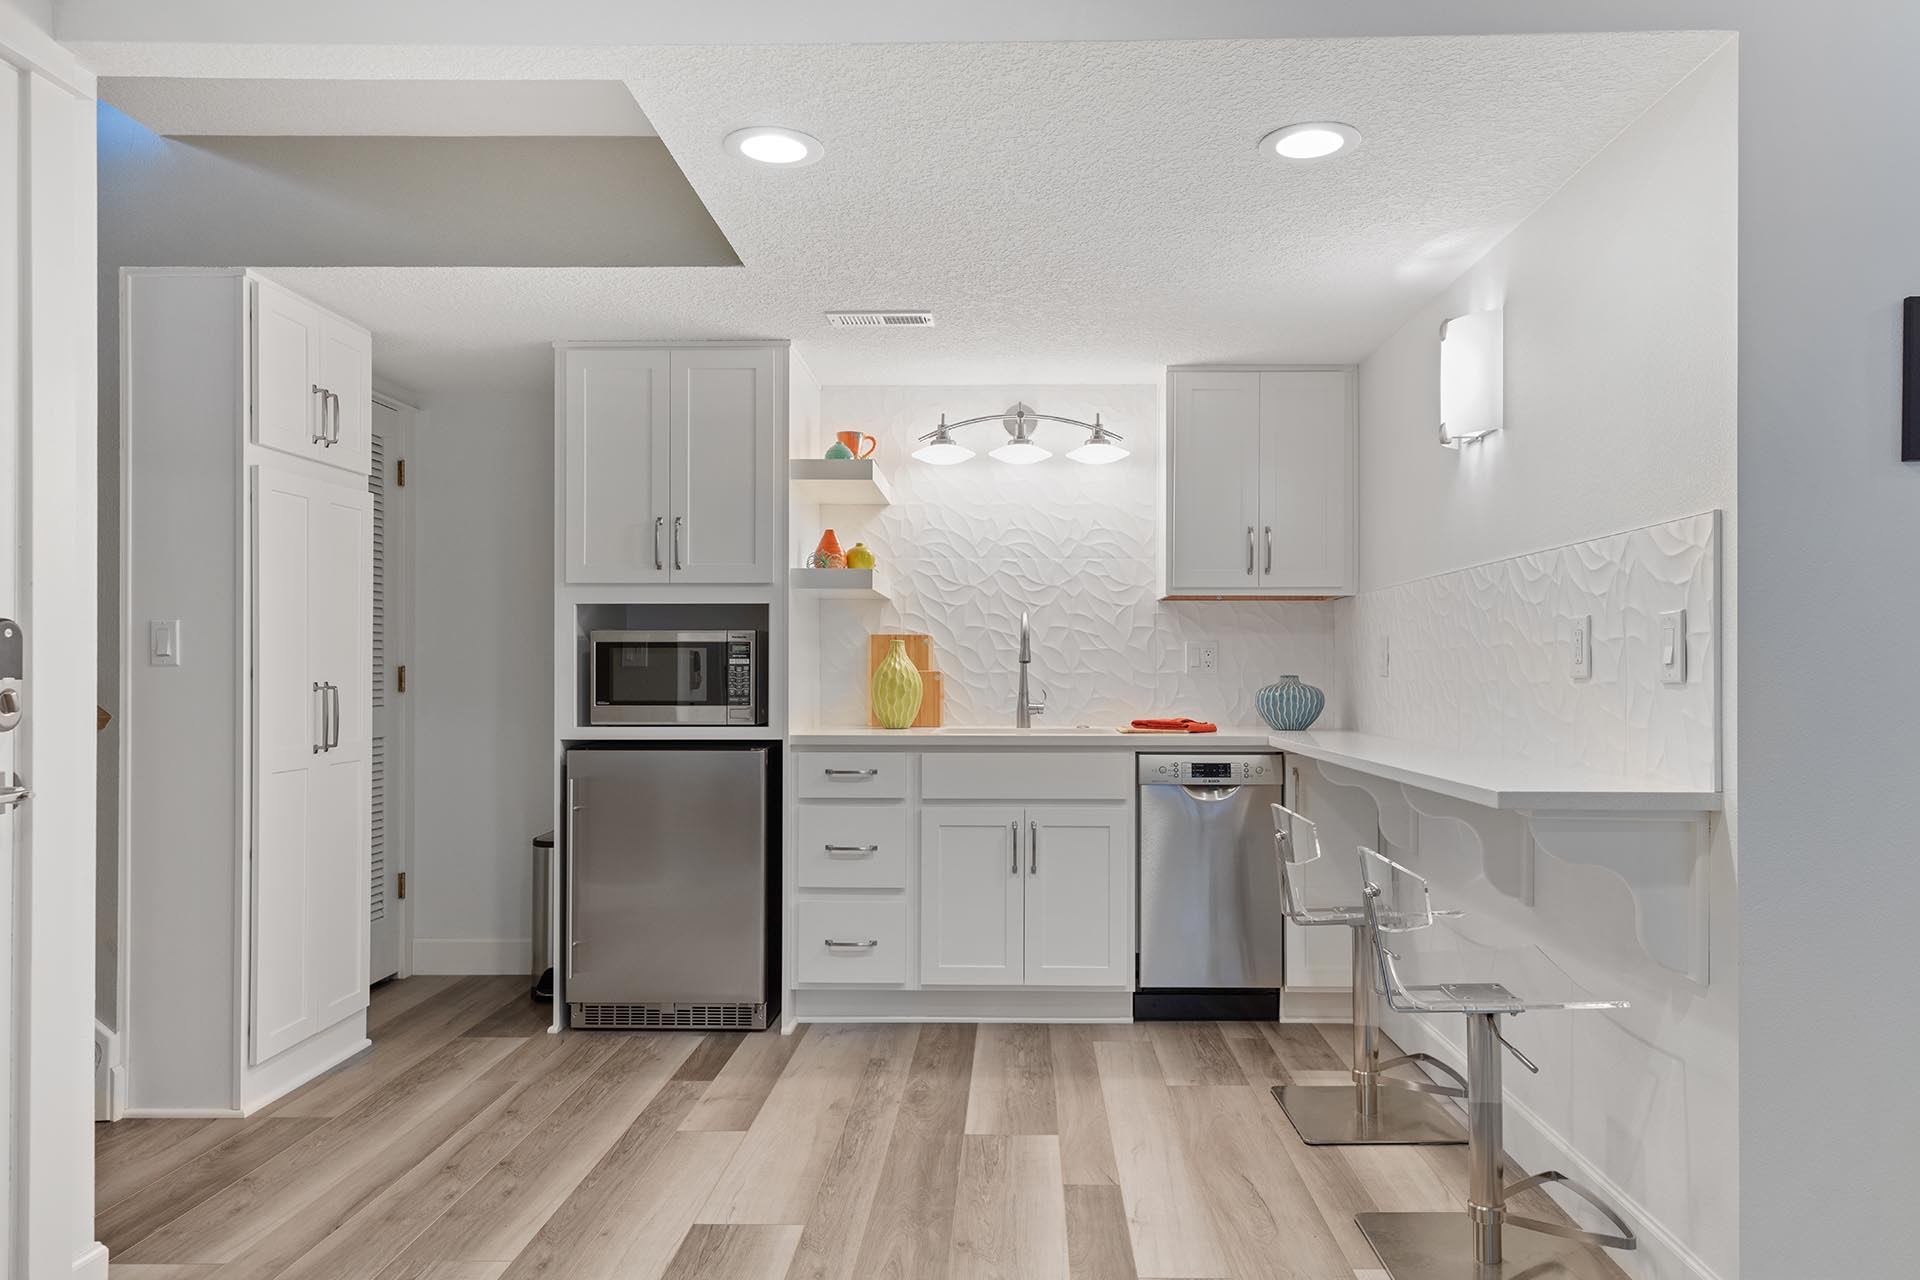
(828,554)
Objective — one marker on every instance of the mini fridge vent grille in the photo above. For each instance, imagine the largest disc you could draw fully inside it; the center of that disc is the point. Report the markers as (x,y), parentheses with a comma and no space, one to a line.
(685,1017)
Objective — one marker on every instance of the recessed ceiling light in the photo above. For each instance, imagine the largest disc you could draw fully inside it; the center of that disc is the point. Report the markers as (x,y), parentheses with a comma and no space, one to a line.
(782,148)
(1314,140)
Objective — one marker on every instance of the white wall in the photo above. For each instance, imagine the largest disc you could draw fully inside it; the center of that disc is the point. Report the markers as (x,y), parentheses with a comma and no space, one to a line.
(480,674)
(965,548)
(1620,298)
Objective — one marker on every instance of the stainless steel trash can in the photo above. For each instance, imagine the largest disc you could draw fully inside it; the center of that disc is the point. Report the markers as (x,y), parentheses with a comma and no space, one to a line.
(542,959)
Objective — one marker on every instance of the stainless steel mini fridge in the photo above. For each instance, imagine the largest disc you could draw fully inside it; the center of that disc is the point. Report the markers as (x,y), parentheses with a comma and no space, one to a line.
(668,890)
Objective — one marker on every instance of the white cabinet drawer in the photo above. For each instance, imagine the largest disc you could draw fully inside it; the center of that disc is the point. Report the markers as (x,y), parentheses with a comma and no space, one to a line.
(857,940)
(1003,776)
(851,846)
(853,775)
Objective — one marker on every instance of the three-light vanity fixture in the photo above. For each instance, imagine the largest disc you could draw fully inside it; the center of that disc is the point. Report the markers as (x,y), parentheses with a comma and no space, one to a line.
(1102,444)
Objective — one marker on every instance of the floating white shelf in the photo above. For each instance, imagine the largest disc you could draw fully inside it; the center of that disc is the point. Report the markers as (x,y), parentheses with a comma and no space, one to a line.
(839,584)
(845,482)
(1652,836)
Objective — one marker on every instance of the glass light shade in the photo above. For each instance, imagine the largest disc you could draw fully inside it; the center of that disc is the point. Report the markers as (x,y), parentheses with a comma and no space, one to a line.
(1020,453)
(1097,453)
(1472,377)
(943,453)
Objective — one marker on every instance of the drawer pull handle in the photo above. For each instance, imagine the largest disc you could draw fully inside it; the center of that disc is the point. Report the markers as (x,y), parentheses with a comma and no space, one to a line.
(853,773)
(851,850)
(834,944)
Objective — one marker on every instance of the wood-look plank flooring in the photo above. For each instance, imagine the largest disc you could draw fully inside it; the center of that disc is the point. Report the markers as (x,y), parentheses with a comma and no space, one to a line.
(471,1145)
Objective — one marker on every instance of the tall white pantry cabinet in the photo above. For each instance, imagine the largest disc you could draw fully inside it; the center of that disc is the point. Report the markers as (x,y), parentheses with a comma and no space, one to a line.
(246,656)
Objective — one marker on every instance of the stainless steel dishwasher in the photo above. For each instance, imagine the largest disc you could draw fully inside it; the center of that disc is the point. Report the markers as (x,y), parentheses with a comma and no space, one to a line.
(1210,945)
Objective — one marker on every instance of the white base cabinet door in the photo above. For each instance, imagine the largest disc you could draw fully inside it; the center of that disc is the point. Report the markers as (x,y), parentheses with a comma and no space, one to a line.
(971,897)
(1079,895)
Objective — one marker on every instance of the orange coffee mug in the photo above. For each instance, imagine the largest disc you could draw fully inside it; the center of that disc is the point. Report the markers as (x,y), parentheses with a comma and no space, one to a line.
(854,439)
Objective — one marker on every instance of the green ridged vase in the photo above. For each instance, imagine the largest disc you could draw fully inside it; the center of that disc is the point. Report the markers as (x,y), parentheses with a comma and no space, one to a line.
(897,689)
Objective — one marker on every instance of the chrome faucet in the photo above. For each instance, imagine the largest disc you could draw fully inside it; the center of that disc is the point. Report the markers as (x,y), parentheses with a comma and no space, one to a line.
(1024,707)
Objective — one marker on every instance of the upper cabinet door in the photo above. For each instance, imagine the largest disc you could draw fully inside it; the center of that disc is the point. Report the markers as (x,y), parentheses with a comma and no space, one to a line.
(1307,488)
(1079,907)
(346,372)
(722,498)
(286,371)
(971,876)
(1213,461)
(617,461)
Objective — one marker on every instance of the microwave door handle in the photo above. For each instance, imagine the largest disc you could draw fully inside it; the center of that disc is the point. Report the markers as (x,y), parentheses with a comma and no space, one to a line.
(696,671)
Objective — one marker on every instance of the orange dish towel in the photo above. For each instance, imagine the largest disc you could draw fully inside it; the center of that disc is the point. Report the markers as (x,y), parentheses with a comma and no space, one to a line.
(1180,723)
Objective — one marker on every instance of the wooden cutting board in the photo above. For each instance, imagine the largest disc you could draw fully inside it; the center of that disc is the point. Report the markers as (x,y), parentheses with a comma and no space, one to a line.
(919,653)
(932,703)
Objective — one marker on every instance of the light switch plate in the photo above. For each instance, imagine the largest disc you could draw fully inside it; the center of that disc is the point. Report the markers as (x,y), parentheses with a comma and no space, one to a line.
(163,642)
(1582,667)
(1203,657)
(1672,647)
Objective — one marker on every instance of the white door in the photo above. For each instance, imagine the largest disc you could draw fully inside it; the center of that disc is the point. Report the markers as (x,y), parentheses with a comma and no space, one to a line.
(616,405)
(286,371)
(346,370)
(339,609)
(290,716)
(971,878)
(721,496)
(1079,921)
(1213,457)
(389,755)
(1306,501)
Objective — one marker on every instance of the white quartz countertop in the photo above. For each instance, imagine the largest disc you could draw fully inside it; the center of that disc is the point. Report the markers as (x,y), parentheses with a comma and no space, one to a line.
(1229,738)
(1497,782)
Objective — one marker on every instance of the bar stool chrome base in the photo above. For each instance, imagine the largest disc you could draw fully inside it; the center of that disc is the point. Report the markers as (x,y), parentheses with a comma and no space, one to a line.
(1324,1115)
(1439,1246)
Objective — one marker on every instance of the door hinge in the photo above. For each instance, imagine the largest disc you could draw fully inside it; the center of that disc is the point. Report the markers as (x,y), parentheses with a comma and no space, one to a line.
(400,678)
(400,474)
(400,885)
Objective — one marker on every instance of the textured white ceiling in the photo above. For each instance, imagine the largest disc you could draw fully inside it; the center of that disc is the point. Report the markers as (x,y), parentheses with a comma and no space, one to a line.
(1073,212)
(216,107)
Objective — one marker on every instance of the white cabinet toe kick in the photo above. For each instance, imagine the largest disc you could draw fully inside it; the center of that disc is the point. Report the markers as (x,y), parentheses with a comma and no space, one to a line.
(958,885)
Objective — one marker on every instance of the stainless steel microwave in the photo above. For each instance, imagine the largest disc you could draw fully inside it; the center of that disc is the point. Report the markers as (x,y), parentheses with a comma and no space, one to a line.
(677,677)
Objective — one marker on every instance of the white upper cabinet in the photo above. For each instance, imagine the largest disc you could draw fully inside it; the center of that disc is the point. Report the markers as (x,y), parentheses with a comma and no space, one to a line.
(670,465)
(1260,484)
(312,380)
(617,464)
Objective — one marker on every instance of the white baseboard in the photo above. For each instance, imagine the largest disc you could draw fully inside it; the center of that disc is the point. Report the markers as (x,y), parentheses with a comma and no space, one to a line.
(91,1265)
(182,1113)
(1662,1254)
(472,955)
(1316,1004)
(852,1004)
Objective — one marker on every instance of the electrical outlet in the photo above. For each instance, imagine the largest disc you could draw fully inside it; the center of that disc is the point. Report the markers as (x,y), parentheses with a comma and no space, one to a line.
(1203,657)
(1583,647)
(1673,647)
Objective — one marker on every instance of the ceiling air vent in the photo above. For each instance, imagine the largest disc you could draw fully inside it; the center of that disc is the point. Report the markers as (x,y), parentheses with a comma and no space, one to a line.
(880,319)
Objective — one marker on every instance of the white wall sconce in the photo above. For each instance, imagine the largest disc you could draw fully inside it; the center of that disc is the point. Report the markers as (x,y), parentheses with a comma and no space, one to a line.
(1472,377)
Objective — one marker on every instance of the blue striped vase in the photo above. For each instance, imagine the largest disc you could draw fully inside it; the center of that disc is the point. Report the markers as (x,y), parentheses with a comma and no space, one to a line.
(1290,705)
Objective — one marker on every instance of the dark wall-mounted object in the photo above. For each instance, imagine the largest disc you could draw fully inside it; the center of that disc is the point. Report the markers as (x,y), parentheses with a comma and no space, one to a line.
(1910,385)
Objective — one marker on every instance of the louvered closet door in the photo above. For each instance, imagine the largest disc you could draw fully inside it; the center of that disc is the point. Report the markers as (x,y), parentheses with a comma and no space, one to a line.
(387,748)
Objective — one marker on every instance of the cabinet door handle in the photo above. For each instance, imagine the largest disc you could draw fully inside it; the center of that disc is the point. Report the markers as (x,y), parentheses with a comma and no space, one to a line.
(333,437)
(852,773)
(1269,531)
(851,850)
(658,523)
(677,521)
(320,427)
(320,737)
(1249,551)
(1013,842)
(333,692)
(573,808)
(1033,848)
(835,944)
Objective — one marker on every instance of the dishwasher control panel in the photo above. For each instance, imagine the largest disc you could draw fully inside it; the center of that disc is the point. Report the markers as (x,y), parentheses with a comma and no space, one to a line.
(1218,771)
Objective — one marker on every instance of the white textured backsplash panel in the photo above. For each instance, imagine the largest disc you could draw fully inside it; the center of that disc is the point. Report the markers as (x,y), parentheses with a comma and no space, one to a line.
(1481,659)
(965,548)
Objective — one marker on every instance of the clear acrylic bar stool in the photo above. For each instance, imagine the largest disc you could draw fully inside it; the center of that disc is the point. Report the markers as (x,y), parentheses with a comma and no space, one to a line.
(1487,1242)
(1375,1108)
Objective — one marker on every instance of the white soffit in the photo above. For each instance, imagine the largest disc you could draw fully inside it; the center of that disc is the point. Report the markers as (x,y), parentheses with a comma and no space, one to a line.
(1075,212)
(177,106)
